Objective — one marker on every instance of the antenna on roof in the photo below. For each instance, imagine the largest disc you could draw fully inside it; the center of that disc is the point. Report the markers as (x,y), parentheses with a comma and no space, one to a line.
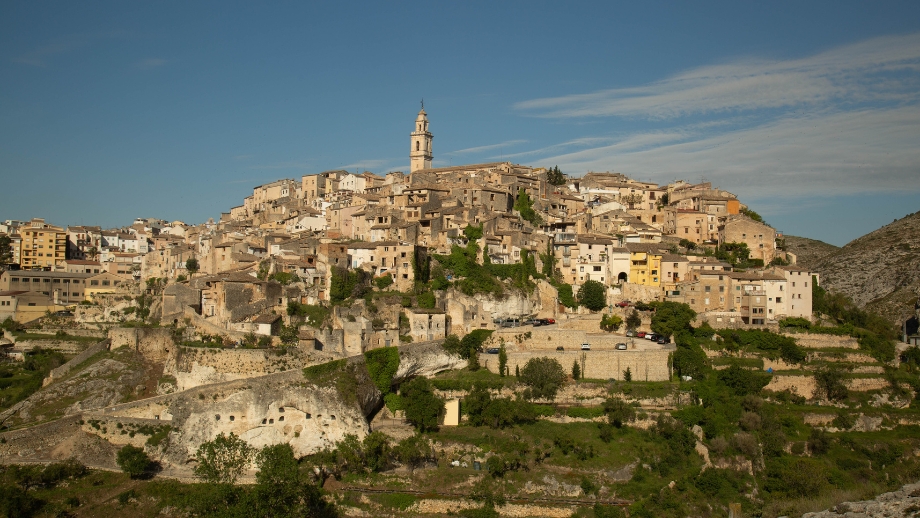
(423,103)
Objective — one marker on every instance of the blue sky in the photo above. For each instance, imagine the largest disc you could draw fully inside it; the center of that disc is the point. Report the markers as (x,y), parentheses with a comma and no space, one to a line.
(809,111)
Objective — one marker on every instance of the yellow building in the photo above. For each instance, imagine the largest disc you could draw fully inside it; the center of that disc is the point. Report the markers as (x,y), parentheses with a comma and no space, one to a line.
(645,264)
(43,246)
(104,283)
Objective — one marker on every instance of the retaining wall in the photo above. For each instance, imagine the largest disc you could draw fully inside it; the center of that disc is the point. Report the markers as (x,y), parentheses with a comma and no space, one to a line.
(65,369)
(645,365)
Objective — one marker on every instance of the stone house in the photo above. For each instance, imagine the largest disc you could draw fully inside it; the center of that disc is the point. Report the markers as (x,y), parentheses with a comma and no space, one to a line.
(234,297)
(427,324)
(760,238)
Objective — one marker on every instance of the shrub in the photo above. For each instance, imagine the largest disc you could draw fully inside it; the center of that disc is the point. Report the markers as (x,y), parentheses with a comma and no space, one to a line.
(133,461)
(619,412)
(592,295)
(382,365)
(423,407)
(543,377)
(829,383)
(414,451)
(223,459)
(383,282)
(611,323)
(819,442)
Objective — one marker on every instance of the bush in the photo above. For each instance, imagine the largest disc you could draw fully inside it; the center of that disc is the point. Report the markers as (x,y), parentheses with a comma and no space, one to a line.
(619,412)
(592,295)
(223,459)
(611,323)
(133,461)
(423,407)
(672,317)
(543,377)
(382,365)
(383,282)
(414,451)
(829,383)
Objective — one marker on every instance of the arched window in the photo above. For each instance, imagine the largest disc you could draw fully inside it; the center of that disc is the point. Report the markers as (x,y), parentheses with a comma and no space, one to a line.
(417,144)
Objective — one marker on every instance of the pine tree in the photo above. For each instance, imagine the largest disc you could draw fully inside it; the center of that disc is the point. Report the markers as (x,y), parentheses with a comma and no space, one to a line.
(576,371)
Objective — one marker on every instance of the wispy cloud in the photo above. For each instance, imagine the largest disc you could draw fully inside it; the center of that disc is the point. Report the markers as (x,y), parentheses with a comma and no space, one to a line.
(149,63)
(841,122)
(283,165)
(480,149)
(41,55)
(367,164)
(880,69)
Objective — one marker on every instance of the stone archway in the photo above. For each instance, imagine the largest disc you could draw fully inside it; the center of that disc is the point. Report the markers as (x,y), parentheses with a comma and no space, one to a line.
(622,277)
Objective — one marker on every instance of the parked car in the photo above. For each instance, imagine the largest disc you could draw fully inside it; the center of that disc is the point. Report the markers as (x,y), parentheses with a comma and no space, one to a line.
(623,303)
(664,340)
(493,350)
(560,348)
(538,322)
(621,347)
(550,321)
(640,334)
(64,313)
(586,346)
(630,332)
(651,336)
(530,322)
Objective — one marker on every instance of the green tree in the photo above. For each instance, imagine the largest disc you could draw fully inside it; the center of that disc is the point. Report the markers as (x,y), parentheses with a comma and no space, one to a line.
(278,480)
(6,250)
(223,459)
(289,335)
(191,266)
(554,176)
(383,282)
(687,244)
(576,370)
(751,214)
(627,375)
(502,361)
(592,295)
(423,407)
(524,205)
(543,377)
(671,317)
(133,461)
(453,345)
(611,323)
(619,412)
(473,233)
(414,451)
(549,260)
(633,321)
(829,382)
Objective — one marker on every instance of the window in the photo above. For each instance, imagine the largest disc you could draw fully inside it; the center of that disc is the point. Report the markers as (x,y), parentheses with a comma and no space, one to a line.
(94,283)
(707,289)
(597,268)
(779,299)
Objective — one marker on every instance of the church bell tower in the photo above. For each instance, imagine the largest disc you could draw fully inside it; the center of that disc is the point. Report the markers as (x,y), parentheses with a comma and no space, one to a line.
(420,153)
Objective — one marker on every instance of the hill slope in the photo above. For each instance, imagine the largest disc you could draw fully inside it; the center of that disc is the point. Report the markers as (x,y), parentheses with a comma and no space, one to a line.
(880,271)
(808,252)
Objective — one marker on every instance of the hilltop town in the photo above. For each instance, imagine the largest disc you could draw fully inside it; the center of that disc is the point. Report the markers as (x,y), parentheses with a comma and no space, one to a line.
(681,333)
(682,242)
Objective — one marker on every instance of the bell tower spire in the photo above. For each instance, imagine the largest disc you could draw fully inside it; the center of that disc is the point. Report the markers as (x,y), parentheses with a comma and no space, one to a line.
(420,153)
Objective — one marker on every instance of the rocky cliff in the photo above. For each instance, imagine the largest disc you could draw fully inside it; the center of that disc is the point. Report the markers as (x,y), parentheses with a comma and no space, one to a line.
(880,271)
(809,252)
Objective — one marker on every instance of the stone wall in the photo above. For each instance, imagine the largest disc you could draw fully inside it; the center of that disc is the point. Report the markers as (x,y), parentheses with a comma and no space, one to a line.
(154,343)
(63,370)
(64,346)
(97,333)
(805,385)
(195,366)
(645,365)
(820,341)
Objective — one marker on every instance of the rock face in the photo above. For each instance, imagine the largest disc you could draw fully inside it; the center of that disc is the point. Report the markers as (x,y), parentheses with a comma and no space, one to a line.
(904,502)
(879,271)
(808,252)
(265,411)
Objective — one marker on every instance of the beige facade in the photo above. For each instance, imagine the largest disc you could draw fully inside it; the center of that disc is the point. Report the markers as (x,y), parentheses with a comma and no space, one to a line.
(42,246)
(61,287)
(760,238)
(420,154)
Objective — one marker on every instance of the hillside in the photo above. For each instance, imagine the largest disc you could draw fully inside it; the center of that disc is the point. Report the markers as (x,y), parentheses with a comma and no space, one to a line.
(880,271)
(808,251)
